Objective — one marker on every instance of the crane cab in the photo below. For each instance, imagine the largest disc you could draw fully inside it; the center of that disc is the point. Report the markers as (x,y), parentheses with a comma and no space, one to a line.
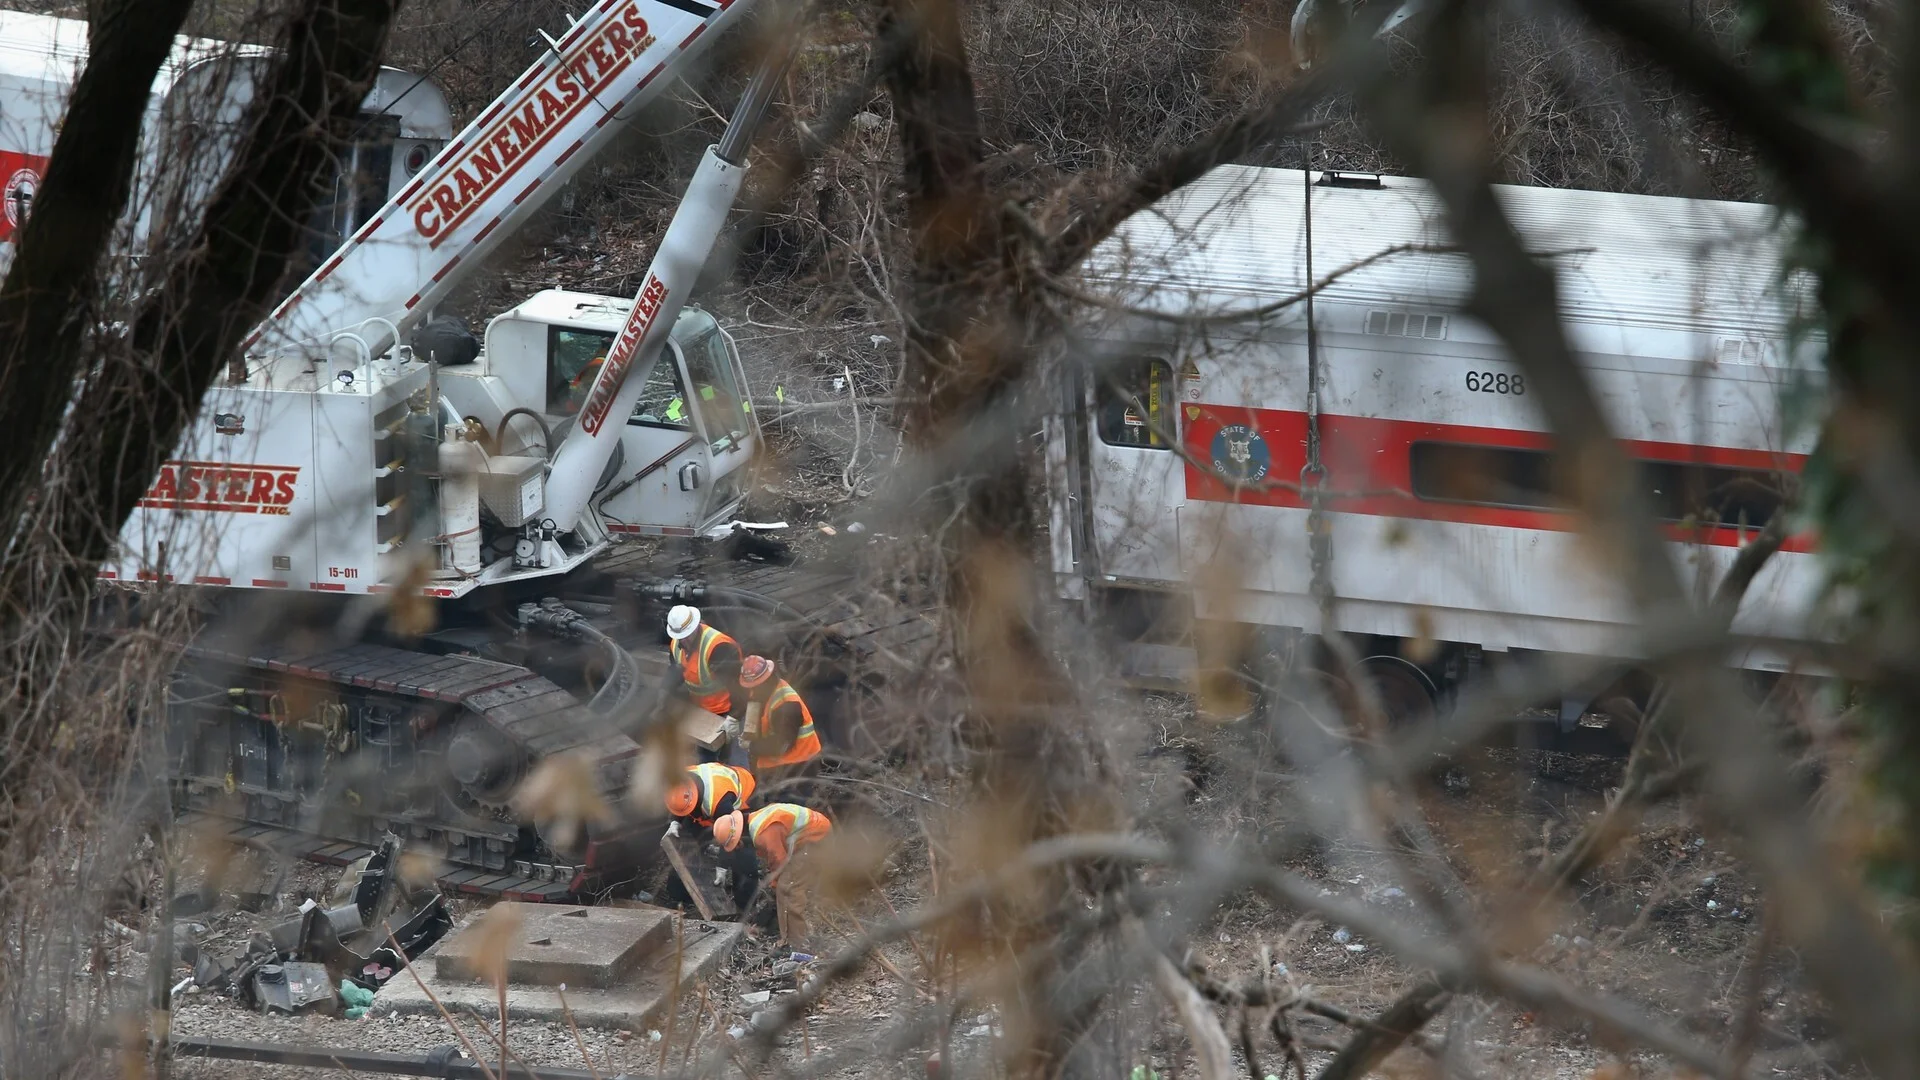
(679,470)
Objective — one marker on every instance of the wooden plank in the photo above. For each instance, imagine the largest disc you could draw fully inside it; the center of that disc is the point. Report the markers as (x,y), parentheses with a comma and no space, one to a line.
(701,727)
(687,877)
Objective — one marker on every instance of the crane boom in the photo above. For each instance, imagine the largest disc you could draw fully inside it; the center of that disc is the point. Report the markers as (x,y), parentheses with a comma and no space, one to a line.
(494,175)
(683,251)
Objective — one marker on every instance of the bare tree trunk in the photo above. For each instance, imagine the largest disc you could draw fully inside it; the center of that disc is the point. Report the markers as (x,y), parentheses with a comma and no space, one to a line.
(969,358)
(225,287)
(47,300)
(132,411)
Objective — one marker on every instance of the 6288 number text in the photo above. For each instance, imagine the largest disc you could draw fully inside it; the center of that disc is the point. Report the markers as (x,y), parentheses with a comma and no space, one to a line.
(1488,382)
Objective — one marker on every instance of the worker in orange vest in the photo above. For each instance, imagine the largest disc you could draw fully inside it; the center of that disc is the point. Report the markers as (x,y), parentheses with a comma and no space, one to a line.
(708,792)
(779,736)
(708,661)
(779,835)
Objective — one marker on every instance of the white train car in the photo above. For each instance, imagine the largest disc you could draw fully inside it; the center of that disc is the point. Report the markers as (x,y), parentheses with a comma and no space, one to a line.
(1179,478)
(194,118)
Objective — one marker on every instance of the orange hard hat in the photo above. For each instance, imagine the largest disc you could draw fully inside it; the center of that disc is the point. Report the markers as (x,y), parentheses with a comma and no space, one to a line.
(755,670)
(683,799)
(727,830)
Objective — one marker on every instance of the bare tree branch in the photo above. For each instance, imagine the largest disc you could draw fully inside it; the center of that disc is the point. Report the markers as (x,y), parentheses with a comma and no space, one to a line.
(1381,1036)
(1212,1052)
(46,301)
(1435,122)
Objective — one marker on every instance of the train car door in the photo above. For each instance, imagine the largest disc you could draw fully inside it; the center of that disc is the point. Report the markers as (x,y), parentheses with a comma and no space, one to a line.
(1133,473)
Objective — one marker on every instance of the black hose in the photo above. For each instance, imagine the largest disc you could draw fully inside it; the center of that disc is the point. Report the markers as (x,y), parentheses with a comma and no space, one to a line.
(700,593)
(622,683)
(546,433)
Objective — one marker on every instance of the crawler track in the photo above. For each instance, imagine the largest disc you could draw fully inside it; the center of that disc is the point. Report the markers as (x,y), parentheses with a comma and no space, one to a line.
(321,753)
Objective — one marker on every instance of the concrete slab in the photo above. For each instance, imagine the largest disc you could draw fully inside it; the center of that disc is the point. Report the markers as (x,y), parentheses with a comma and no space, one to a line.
(596,947)
(637,1004)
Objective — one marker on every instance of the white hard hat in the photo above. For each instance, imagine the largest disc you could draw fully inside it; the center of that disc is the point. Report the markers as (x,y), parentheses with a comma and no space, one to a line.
(682,621)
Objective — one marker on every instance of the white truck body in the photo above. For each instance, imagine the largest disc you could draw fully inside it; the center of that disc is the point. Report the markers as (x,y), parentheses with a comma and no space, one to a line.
(344,463)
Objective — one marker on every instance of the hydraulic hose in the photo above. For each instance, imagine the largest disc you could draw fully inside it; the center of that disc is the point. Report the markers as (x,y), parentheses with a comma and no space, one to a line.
(622,684)
(700,592)
(546,432)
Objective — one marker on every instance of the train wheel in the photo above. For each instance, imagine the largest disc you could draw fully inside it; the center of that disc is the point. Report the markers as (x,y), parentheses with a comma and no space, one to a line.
(1406,695)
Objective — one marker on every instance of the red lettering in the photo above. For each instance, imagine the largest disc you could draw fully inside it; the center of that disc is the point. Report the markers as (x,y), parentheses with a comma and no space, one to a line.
(236,487)
(283,493)
(425,221)
(617,37)
(469,187)
(485,163)
(504,146)
(555,111)
(166,488)
(602,59)
(633,18)
(192,484)
(569,89)
(444,199)
(527,125)
(583,71)
(262,492)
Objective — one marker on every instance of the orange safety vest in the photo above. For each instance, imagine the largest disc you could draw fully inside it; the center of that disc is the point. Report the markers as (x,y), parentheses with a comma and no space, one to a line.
(804,826)
(806,745)
(695,672)
(714,782)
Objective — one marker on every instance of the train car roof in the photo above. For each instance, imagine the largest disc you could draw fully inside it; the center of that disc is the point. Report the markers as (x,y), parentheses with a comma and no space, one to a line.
(52,51)
(1235,240)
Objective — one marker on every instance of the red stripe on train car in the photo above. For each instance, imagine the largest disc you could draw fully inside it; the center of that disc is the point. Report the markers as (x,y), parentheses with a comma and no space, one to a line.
(1369,465)
(268,583)
(327,586)
(207,579)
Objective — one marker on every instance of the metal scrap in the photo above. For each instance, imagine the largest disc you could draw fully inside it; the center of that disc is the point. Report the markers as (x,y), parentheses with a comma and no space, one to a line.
(295,964)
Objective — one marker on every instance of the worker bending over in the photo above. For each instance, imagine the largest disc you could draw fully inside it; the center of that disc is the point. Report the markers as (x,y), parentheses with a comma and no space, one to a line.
(706,794)
(708,661)
(779,837)
(778,735)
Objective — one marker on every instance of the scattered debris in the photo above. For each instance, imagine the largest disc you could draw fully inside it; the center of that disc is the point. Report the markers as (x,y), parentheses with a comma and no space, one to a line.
(293,988)
(295,964)
(358,998)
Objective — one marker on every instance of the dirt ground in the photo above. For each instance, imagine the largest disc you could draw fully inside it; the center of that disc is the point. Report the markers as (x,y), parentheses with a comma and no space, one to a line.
(1670,924)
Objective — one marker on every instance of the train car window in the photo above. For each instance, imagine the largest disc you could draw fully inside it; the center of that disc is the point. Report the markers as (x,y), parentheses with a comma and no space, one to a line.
(1487,475)
(1685,491)
(1681,491)
(1134,404)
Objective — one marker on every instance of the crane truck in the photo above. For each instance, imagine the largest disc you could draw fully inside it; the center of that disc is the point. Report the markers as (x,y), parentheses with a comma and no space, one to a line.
(359,451)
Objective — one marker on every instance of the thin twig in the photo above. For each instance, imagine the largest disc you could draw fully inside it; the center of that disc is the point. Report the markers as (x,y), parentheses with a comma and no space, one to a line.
(458,1033)
(575,1028)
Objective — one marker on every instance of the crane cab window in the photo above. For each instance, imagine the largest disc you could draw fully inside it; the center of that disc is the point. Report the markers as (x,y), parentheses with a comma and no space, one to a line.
(573,362)
(1134,402)
(663,402)
(724,410)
